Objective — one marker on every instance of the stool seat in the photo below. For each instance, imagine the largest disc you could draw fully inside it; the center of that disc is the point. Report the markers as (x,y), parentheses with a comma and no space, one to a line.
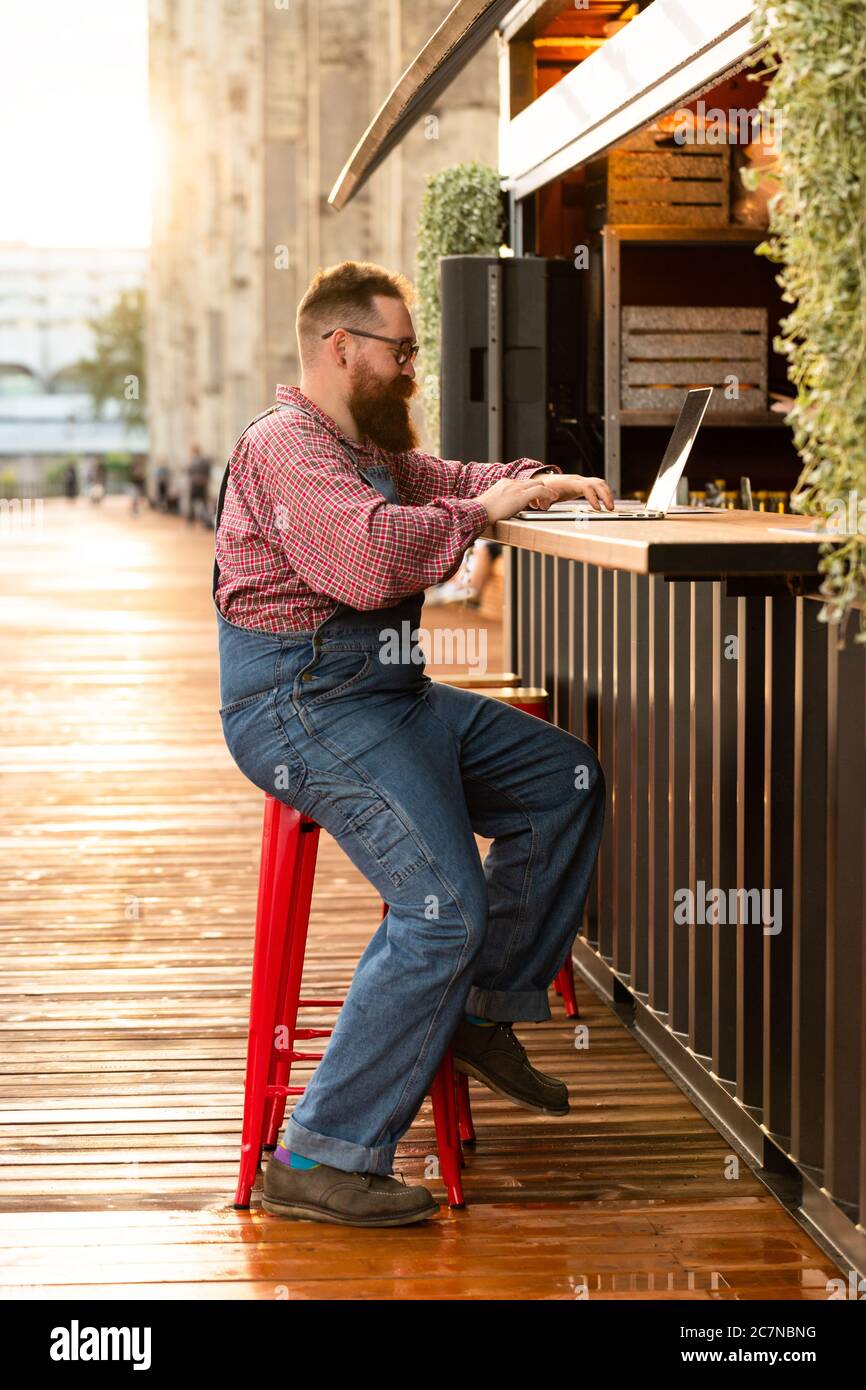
(286,873)
(532,699)
(492,678)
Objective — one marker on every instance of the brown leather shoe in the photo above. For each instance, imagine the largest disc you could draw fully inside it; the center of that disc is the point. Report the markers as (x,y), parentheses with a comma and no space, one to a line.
(498,1059)
(349,1199)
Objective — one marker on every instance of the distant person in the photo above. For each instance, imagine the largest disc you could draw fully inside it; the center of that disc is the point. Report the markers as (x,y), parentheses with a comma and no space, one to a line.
(96,481)
(70,482)
(161,480)
(136,482)
(468,584)
(198,470)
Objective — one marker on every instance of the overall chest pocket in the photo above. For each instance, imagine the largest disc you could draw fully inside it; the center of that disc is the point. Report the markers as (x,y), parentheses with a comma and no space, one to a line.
(330,675)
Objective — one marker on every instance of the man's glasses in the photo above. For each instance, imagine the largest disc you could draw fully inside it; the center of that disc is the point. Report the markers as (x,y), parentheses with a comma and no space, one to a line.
(407,350)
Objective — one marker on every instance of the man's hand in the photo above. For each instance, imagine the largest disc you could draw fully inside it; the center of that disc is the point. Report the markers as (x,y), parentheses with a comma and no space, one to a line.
(566,486)
(510,495)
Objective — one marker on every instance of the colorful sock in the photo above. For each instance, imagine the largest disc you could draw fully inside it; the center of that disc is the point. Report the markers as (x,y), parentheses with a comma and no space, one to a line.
(482,1022)
(284,1155)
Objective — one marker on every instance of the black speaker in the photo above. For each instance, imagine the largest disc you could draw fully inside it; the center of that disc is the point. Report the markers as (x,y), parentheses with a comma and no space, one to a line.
(512,366)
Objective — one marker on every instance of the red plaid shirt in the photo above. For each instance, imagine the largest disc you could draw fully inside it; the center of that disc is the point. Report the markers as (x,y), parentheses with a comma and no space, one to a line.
(301,531)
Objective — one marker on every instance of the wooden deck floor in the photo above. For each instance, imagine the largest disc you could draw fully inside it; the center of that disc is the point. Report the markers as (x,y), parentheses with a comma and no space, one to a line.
(130,844)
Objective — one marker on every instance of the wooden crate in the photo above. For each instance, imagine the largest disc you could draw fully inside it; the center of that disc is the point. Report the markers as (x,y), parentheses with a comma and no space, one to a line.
(650,180)
(666,350)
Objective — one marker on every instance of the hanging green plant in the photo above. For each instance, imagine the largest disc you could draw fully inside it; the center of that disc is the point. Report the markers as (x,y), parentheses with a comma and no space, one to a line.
(461,215)
(816,102)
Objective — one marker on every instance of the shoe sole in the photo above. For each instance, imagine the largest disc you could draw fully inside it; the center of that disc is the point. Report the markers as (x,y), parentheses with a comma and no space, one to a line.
(469,1069)
(297,1211)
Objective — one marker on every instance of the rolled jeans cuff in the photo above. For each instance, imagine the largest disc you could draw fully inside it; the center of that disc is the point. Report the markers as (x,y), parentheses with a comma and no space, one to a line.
(339,1153)
(509,1006)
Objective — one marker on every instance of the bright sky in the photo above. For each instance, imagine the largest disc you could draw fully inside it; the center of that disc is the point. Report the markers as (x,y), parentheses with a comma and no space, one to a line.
(74,135)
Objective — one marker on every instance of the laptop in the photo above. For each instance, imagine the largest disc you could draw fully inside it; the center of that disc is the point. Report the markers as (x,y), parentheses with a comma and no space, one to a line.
(664,489)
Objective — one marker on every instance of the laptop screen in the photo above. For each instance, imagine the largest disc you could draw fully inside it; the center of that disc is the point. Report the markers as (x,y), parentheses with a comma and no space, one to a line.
(679,447)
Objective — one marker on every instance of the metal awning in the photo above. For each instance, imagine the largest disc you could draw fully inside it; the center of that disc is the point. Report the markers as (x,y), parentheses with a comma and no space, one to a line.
(462,32)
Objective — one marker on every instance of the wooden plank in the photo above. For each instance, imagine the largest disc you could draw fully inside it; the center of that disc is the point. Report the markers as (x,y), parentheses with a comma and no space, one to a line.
(688,318)
(670,213)
(750,372)
(669,165)
(702,342)
(752,398)
(651,190)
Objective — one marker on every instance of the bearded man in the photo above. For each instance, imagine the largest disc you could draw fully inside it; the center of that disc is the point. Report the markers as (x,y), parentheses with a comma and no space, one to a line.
(331,525)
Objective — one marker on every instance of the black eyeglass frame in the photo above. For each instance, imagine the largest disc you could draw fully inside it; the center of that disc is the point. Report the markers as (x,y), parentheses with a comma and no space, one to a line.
(405,355)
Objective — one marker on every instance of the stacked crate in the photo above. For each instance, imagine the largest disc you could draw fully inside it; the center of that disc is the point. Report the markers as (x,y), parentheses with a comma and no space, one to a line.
(666,350)
(651,180)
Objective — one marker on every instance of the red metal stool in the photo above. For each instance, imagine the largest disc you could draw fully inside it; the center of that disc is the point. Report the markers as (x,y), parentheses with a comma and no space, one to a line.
(287,869)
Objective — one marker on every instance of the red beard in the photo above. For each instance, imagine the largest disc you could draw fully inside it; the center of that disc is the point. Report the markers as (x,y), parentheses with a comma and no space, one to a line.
(380,409)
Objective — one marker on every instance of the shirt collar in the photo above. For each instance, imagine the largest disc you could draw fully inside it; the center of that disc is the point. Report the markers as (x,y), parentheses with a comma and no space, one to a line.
(293,395)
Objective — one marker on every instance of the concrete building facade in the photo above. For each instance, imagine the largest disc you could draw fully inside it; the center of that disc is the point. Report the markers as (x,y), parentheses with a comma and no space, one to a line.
(256,106)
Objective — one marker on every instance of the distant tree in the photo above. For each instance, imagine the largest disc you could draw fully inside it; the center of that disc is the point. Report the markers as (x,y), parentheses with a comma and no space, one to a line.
(115,372)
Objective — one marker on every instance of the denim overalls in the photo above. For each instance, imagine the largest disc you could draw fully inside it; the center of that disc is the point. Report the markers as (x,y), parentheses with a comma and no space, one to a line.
(342,723)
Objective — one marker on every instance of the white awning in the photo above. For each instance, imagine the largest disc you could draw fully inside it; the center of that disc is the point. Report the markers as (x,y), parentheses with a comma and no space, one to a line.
(666,55)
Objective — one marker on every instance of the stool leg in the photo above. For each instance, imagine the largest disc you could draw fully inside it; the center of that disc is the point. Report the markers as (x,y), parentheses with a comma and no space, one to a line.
(564,979)
(565,987)
(447,1137)
(301,842)
(268,954)
(464,1111)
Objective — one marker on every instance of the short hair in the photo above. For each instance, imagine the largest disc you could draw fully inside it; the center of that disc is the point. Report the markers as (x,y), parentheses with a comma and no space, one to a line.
(342,296)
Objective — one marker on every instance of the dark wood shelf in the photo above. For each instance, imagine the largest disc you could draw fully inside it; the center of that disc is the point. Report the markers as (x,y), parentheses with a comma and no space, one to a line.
(732,234)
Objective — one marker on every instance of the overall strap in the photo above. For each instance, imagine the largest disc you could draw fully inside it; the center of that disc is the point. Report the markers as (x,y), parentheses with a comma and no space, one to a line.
(222,494)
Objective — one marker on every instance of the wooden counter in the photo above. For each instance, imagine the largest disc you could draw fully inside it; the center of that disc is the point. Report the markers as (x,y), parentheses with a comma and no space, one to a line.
(729,722)
(695,546)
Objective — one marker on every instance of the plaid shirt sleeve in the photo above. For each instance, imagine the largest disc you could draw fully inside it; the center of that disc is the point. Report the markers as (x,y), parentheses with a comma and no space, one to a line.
(421,477)
(301,530)
(337,532)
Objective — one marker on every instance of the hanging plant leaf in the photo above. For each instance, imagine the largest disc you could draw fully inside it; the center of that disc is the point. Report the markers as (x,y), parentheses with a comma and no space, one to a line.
(817,99)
